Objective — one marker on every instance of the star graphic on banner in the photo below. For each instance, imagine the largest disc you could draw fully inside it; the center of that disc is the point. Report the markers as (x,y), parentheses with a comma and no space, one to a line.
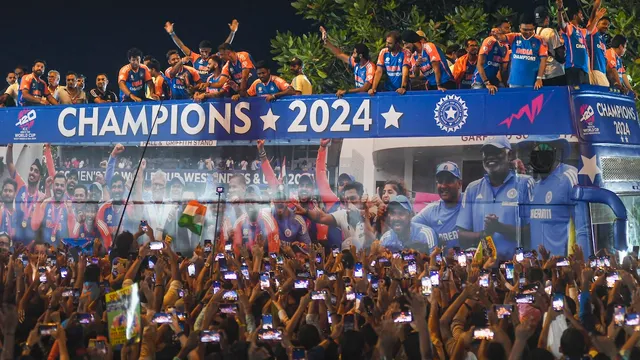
(589,167)
(391,118)
(451,113)
(269,120)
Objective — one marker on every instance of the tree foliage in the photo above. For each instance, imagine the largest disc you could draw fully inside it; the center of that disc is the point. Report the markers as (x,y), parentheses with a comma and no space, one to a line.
(444,22)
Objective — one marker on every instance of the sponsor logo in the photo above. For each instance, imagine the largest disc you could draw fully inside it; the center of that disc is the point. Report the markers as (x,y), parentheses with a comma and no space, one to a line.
(531,111)
(451,113)
(588,119)
(543,214)
(26,120)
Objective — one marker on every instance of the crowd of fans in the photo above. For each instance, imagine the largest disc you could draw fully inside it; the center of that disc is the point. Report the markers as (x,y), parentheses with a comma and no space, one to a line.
(540,54)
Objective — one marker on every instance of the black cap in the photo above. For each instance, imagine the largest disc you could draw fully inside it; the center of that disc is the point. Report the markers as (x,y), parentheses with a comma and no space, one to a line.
(410,36)
(540,13)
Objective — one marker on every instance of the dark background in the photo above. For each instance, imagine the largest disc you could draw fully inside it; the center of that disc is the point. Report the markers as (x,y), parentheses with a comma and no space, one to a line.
(91,40)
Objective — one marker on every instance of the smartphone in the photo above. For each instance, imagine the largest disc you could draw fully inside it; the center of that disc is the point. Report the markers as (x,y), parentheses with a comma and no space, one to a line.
(156,245)
(270,335)
(462,259)
(162,318)
(223,264)
(181,315)
(562,262)
(519,254)
(318,295)
(264,281)
(207,246)
(412,267)
(503,311)
(230,295)
(64,271)
(335,251)
(522,280)
(438,259)
(99,345)
(280,260)
(267,266)
(434,275)
(402,317)
(349,322)
(396,255)
(558,302)
(25,259)
(319,273)
(383,261)
(209,336)
(530,289)
(484,279)
(144,225)
(230,275)
(227,247)
(267,321)
(483,334)
(47,329)
(632,319)
(612,277)
(191,269)
(85,318)
(298,353)
(357,270)
(229,308)
(359,297)
(70,292)
(151,264)
(593,261)
(619,314)
(509,271)
(524,299)
(301,284)
(350,294)
(408,257)
(244,269)
(216,286)
(43,274)
(425,286)
(346,280)
(219,256)
(318,259)
(332,276)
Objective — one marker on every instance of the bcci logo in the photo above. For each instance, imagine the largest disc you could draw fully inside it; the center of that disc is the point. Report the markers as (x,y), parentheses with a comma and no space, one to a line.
(26,120)
(451,113)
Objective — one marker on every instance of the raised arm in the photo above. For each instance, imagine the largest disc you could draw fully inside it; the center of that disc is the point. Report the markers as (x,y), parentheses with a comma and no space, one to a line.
(324,189)
(334,49)
(168,26)
(267,170)
(593,18)
(234,28)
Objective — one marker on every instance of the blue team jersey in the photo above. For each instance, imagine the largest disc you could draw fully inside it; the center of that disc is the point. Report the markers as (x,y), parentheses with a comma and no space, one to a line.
(25,208)
(292,228)
(443,220)
(275,85)
(34,86)
(576,44)
(55,223)
(495,55)
(393,65)
(8,221)
(362,73)
(481,199)
(597,46)
(181,81)
(200,64)
(212,79)
(431,52)
(422,238)
(552,214)
(233,70)
(134,80)
(526,55)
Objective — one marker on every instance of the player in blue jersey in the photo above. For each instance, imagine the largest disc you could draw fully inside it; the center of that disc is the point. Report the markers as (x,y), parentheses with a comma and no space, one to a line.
(8,222)
(597,46)
(465,66)
(133,77)
(492,60)
(614,60)
(33,90)
(239,69)
(55,214)
(528,55)
(395,61)
(430,61)
(360,62)
(270,86)
(555,221)
(162,83)
(403,233)
(183,78)
(207,89)
(200,60)
(442,215)
(491,205)
(292,227)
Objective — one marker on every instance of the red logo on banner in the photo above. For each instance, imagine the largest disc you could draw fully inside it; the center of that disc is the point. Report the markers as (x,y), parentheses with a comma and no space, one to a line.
(531,111)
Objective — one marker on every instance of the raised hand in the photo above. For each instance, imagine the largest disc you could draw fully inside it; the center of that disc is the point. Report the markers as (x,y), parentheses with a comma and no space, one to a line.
(168,26)
(234,25)
(119,148)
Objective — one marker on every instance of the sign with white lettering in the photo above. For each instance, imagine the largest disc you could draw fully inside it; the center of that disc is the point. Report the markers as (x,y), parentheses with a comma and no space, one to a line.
(604,118)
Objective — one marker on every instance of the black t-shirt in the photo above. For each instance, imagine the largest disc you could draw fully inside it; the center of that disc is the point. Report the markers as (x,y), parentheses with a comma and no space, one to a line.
(96,93)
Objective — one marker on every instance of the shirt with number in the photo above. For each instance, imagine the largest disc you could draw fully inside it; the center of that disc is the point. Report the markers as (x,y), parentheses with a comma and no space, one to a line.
(134,80)
(495,54)
(430,53)
(301,83)
(362,73)
(275,85)
(442,219)
(34,86)
(575,39)
(615,62)
(463,70)
(181,81)
(393,65)
(421,238)
(554,218)
(481,199)
(526,56)
(233,70)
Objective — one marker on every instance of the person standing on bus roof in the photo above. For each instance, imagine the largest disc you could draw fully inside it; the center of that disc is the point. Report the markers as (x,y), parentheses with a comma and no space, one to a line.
(430,60)
(465,65)
(133,77)
(272,87)
(554,71)
(597,46)
(556,221)
(528,55)
(490,205)
(492,60)
(396,62)
(360,62)
(442,215)
(300,82)
(182,78)
(614,61)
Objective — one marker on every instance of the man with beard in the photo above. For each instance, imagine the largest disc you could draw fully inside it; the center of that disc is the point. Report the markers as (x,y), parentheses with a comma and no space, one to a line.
(239,69)
(71,93)
(256,225)
(403,233)
(443,215)
(72,182)
(430,60)
(271,87)
(95,193)
(79,198)
(490,206)
(7,212)
(155,211)
(395,61)
(53,81)
(597,46)
(56,212)
(33,90)
(28,195)
(86,226)
(133,77)
(291,227)
(492,62)
(182,78)
(556,221)
(207,89)
(465,65)
(110,213)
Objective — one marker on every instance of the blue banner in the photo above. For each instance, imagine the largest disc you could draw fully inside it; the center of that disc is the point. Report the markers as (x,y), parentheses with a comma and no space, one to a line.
(422,114)
(603,117)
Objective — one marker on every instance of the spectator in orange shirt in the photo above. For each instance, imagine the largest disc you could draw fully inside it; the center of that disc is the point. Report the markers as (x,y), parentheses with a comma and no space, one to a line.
(465,65)
(161,82)
(270,86)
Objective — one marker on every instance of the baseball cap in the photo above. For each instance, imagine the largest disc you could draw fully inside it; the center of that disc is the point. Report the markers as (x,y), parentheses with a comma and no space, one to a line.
(177,179)
(95,185)
(410,36)
(556,141)
(402,201)
(449,167)
(500,142)
(540,14)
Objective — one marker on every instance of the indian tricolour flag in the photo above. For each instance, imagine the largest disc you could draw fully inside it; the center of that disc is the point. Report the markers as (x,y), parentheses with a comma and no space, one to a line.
(193,217)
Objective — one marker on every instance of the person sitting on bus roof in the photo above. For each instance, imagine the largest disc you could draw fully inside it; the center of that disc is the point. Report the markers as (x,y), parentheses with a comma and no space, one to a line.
(359,61)
(270,86)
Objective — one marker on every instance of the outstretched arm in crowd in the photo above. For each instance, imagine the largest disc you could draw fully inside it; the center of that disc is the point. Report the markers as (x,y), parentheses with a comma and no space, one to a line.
(267,170)
(324,189)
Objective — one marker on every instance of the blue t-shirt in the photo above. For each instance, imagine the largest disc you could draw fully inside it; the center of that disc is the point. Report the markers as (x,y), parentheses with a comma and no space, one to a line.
(576,43)
(181,81)
(495,55)
(551,212)
(526,55)
(430,52)
(481,199)
(422,238)
(393,65)
(292,228)
(443,220)
(597,46)
(362,73)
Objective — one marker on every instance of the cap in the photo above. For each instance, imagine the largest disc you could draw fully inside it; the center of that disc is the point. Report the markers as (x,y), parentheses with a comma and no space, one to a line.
(345,176)
(500,142)
(177,179)
(410,36)
(449,167)
(95,185)
(540,13)
(557,142)
(305,177)
(402,201)
(421,33)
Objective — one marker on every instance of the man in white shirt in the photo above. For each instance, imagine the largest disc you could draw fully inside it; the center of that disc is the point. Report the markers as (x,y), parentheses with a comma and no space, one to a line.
(554,71)
(71,94)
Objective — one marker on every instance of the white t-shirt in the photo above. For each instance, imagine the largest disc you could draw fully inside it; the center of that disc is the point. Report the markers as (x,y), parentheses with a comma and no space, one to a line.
(12,91)
(352,235)
(551,37)
(243,165)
